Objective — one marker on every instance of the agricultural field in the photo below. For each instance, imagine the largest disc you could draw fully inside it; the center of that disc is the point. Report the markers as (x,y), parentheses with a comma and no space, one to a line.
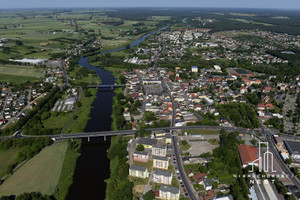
(39,174)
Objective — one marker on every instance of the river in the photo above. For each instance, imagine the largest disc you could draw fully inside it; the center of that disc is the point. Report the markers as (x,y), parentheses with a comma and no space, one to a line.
(92,166)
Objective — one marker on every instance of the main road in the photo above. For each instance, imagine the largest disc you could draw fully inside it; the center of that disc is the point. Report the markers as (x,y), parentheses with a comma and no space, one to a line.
(268,133)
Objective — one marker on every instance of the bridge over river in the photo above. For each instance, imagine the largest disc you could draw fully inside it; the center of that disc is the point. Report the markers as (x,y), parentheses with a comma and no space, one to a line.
(130,132)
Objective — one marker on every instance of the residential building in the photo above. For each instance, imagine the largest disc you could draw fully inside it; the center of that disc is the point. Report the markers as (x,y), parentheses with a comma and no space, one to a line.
(160,162)
(147,142)
(141,156)
(138,171)
(169,192)
(207,184)
(159,150)
(162,176)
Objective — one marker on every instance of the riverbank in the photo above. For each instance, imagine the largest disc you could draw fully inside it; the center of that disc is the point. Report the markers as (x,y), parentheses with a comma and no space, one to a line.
(118,185)
(68,168)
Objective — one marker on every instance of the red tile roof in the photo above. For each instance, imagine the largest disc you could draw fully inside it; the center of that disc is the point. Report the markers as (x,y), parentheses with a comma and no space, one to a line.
(247,153)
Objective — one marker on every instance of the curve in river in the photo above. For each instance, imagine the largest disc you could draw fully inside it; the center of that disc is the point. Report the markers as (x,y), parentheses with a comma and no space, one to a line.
(92,166)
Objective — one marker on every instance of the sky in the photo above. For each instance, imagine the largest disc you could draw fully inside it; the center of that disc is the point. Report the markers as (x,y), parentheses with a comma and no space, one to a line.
(276,4)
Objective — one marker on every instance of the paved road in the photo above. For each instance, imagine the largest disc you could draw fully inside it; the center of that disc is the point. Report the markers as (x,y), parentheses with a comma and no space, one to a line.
(278,158)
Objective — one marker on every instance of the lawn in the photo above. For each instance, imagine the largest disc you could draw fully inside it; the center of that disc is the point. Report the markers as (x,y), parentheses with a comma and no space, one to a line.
(7,157)
(39,174)
(201,132)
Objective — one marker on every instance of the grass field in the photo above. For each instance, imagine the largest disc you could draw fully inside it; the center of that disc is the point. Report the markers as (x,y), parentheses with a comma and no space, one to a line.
(7,158)
(40,174)
(58,121)
(66,177)
(243,14)
(280,17)
(17,70)
(252,22)
(20,74)
(17,79)
(201,132)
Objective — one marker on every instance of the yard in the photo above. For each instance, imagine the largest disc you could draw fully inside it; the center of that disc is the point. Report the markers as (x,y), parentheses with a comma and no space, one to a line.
(39,174)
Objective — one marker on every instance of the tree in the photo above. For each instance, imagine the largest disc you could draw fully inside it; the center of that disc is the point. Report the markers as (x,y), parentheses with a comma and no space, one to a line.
(149,195)
(19,42)
(140,147)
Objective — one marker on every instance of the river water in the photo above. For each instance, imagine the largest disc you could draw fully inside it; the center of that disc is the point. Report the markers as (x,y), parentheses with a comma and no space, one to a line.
(92,167)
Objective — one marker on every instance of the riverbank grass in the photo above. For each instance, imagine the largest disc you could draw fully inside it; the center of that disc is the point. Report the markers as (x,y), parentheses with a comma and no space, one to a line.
(39,174)
(7,158)
(68,168)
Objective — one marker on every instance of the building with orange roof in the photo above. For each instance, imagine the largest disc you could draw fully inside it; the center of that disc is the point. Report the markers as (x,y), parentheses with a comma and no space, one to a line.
(248,154)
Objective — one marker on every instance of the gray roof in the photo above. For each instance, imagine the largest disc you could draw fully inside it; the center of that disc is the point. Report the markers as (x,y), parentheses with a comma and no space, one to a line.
(162,172)
(160,158)
(141,152)
(294,146)
(159,147)
(168,188)
(138,168)
(147,141)
(207,182)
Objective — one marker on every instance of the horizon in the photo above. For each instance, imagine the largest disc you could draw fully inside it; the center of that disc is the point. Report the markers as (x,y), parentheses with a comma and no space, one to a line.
(229,4)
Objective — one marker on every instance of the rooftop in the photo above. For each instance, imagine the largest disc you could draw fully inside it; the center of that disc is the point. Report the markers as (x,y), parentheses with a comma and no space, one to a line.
(162,172)
(138,168)
(294,146)
(167,188)
(147,141)
(247,153)
(160,158)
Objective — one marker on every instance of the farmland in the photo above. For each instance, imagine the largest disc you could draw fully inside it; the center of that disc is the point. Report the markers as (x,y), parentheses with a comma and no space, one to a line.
(41,173)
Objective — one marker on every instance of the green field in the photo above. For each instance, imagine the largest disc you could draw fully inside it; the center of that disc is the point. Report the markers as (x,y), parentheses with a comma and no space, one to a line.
(7,158)
(201,132)
(243,14)
(280,17)
(39,174)
(58,121)
(19,74)
(251,22)
(161,18)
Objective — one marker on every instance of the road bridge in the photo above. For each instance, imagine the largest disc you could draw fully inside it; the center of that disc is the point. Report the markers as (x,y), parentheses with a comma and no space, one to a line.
(112,86)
